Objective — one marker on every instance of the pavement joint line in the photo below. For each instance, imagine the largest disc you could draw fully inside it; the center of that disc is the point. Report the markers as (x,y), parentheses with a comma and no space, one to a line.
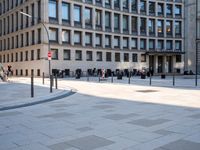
(71,92)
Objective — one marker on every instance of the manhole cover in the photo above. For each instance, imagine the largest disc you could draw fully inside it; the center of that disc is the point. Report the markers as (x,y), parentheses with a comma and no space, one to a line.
(146,91)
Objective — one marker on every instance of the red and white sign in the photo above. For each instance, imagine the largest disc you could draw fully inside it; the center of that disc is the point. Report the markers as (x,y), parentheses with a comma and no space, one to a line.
(49,55)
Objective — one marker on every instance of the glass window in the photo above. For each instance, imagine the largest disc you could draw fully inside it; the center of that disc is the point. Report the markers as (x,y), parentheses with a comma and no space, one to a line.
(126,57)
(53,9)
(125,23)
(178,10)
(99,56)
(142,6)
(134,5)
(66,54)
(151,7)
(107,40)
(125,4)
(107,20)
(53,33)
(108,56)
(134,43)
(98,17)
(117,57)
(142,44)
(65,11)
(32,54)
(134,58)
(178,58)
(169,45)
(98,39)
(116,21)
(77,14)
(151,44)
(160,27)
(88,39)
(125,42)
(169,27)
(178,45)
(160,45)
(116,42)
(107,2)
(66,36)
(77,37)
(178,27)
(169,9)
(116,3)
(88,16)
(151,24)
(78,55)
(143,25)
(89,55)
(160,9)
(134,24)
(54,54)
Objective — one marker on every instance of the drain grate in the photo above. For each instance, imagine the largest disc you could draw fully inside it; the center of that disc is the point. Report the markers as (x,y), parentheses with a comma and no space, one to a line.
(146,91)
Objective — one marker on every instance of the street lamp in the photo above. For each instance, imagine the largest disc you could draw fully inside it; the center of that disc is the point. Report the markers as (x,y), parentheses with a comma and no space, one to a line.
(49,51)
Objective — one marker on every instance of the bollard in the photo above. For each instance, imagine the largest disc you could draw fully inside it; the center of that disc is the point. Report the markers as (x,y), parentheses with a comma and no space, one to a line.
(99,78)
(51,78)
(150,80)
(56,81)
(32,86)
(112,78)
(129,78)
(173,79)
(43,78)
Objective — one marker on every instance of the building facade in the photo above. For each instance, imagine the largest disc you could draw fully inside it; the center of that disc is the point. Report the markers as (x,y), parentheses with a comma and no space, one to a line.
(88,34)
(192,21)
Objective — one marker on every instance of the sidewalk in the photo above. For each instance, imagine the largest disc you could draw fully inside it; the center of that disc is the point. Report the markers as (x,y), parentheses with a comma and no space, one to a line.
(17,92)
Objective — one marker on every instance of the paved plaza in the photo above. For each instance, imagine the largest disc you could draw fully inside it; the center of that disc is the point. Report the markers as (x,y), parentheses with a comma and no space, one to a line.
(105,116)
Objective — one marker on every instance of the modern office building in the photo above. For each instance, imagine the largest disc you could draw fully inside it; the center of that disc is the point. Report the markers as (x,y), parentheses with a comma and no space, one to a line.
(87,34)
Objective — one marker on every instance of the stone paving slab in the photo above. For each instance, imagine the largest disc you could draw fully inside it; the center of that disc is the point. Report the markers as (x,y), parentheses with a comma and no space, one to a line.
(100,119)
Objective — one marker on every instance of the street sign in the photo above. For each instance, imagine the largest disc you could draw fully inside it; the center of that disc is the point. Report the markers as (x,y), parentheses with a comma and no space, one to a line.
(49,55)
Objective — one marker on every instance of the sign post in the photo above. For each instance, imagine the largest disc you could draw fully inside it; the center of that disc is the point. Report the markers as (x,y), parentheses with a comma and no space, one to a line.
(49,55)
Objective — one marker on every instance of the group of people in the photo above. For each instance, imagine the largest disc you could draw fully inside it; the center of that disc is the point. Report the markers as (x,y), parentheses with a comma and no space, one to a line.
(5,73)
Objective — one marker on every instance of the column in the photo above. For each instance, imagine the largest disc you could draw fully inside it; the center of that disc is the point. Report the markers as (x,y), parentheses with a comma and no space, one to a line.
(155,64)
(103,20)
(129,24)
(44,10)
(165,65)
(83,17)
(72,14)
(93,19)
(112,22)
(121,23)
(59,12)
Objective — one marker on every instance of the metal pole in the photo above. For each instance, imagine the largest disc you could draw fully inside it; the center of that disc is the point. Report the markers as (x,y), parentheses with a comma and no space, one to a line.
(173,78)
(56,81)
(99,78)
(150,80)
(32,86)
(51,81)
(112,78)
(196,74)
(129,77)
(43,78)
